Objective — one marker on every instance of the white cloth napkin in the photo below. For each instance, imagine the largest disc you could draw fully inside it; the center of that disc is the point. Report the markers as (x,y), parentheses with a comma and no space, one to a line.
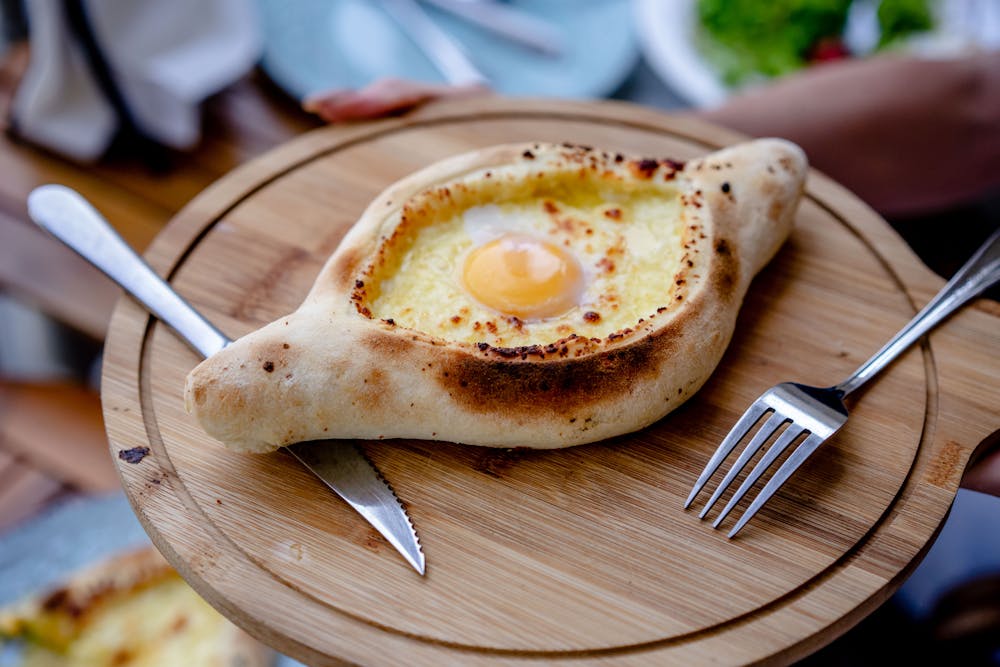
(165,57)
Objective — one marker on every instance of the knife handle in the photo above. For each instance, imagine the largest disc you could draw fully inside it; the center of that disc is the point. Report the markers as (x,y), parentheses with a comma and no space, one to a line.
(65,214)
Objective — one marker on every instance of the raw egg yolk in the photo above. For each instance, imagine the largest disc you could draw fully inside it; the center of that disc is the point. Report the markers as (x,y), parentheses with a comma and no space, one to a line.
(523,276)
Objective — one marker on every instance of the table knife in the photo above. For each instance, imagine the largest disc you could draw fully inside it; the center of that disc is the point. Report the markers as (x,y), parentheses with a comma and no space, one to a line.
(507,21)
(446,54)
(66,215)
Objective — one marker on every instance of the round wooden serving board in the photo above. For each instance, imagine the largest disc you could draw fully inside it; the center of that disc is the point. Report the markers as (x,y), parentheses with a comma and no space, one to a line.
(569,556)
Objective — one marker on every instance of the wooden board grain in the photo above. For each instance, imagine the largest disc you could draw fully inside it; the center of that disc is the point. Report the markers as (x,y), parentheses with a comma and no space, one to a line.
(578,555)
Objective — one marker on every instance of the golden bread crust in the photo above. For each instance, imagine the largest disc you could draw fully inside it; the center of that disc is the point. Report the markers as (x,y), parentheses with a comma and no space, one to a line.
(332,370)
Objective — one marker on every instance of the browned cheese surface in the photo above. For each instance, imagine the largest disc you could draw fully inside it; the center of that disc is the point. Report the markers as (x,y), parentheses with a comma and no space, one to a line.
(581,555)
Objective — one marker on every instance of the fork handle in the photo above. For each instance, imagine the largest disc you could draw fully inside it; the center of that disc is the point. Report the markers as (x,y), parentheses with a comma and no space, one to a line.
(981,271)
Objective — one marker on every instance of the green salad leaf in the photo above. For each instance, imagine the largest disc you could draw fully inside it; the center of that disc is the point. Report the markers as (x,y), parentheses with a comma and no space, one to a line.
(768,38)
(898,19)
(751,39)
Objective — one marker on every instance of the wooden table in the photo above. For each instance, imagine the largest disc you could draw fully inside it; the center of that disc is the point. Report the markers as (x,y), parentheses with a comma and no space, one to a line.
(52,441)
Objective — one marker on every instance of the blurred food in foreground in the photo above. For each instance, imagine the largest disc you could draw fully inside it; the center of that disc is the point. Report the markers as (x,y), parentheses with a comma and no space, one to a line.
(753,39)
(130,610)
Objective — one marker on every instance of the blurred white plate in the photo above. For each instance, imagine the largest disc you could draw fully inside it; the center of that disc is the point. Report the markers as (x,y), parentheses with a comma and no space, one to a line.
(666,30)
(316,45)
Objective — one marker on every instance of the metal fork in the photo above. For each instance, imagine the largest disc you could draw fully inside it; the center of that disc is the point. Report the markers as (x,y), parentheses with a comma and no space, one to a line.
(816,413)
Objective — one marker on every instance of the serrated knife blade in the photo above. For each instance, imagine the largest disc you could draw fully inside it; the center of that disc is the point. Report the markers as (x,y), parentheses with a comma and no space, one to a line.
(69,217)
(357,481)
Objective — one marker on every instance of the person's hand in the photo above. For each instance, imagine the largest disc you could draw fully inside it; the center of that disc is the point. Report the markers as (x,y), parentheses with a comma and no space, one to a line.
(909,136)
(382,98)
(984,475)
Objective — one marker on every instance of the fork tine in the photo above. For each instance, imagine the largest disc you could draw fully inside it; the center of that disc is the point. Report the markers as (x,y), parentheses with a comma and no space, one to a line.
(801,453)
(749,418)
(781,444)
(759,438)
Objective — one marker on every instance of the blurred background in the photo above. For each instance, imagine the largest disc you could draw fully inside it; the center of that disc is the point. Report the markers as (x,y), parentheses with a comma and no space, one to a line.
(140,104)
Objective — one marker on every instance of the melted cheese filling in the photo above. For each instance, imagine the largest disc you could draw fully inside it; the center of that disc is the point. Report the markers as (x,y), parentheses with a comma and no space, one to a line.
(586,258)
